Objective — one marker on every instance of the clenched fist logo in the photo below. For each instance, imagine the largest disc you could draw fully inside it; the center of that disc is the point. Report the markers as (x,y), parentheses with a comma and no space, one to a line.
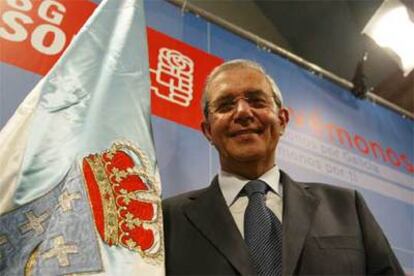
(173,77)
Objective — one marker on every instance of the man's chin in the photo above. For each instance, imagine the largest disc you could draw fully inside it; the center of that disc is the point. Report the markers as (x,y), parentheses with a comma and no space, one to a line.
(247,155)
(246,138)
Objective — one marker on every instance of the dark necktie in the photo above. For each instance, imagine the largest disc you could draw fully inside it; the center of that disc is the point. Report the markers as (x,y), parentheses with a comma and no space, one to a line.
(262,231)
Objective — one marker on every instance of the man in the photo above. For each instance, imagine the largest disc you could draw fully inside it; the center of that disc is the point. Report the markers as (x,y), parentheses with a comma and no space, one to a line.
(298,228)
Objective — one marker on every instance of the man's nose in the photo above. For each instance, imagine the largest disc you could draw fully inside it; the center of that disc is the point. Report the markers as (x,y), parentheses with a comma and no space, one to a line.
(243,110)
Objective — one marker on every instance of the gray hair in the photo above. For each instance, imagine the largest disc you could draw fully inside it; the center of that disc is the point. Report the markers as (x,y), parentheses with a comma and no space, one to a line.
(238,63)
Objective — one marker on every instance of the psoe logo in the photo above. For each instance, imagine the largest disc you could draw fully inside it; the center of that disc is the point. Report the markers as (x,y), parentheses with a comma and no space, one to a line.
(174,77)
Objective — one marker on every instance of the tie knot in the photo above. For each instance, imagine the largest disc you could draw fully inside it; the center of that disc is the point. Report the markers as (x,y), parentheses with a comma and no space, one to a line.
(255,186)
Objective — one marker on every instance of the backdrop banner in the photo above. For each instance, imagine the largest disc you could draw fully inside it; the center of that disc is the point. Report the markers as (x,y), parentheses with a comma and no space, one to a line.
(332,136)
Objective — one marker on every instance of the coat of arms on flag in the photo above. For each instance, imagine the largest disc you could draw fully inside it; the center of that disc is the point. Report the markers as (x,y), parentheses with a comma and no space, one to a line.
(79,185)
(124,199)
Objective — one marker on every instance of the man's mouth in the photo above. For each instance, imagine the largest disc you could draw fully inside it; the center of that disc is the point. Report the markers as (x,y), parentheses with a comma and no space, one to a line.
(245,132)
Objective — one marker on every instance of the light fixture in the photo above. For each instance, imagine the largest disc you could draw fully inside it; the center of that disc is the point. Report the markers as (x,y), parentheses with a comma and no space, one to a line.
(391,27)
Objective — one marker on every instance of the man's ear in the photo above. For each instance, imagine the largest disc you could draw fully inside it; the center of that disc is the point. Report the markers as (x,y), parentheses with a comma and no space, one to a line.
(205,127)
(283,116)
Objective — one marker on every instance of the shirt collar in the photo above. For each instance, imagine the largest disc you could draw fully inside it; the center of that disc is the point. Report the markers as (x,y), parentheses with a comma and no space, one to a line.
(231,184)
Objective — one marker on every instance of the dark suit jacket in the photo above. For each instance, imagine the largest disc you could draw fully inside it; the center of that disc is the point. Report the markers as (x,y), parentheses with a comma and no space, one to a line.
(326,230)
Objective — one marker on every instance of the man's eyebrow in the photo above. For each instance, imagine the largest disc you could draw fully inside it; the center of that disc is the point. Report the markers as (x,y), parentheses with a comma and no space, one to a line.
(224,98)
(255,92)
(250,92)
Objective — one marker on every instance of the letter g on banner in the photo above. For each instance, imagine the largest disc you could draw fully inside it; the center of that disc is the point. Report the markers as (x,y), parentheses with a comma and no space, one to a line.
(52,12)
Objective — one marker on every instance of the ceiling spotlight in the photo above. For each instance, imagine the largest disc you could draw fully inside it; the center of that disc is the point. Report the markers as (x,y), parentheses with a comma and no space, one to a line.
(392,27)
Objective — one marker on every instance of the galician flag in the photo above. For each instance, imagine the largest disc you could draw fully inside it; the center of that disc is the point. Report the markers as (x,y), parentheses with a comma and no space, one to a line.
(79,185)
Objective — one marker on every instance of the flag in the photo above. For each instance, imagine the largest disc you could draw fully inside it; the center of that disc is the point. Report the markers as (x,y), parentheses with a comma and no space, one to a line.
(79,184)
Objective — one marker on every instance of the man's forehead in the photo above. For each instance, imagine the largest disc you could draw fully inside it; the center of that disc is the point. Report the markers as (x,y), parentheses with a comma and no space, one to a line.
(238,80)
(242,70)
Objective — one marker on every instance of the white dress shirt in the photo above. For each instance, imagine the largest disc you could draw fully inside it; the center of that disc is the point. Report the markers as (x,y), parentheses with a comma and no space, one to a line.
(231,186)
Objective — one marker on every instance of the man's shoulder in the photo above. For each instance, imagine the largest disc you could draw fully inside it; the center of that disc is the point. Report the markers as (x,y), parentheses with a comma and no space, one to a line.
(328,192)
(182,199)
(318,188)
(323,187)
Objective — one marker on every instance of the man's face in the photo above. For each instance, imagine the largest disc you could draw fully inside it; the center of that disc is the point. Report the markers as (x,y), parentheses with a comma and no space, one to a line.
(244,123)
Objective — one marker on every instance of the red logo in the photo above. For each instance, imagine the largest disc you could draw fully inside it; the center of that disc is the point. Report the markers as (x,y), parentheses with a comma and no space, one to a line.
(178,72)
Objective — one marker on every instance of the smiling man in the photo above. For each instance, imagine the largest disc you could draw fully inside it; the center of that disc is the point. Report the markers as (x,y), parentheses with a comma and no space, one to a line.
(254,219)
(244,118)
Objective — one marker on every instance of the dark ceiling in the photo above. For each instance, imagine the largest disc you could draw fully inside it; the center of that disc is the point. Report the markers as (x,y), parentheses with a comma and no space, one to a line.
(328,34)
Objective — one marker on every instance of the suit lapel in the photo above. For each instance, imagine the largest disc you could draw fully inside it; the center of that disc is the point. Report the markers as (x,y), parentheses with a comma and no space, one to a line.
(211,216)
(298,209)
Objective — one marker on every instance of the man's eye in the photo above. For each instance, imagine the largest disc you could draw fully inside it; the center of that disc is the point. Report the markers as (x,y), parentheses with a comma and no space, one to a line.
(257,102)
(225,106)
